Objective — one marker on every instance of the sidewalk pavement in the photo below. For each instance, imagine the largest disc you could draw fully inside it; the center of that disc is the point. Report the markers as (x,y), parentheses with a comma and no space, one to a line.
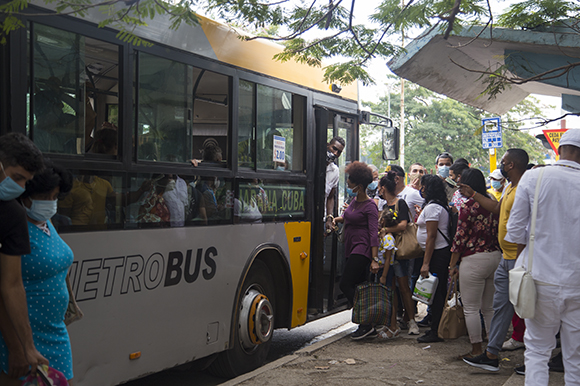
(339,361)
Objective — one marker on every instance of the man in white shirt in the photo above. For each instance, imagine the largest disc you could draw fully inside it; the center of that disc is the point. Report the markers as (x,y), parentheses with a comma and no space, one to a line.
(411,193)
(333,150)
(556,260)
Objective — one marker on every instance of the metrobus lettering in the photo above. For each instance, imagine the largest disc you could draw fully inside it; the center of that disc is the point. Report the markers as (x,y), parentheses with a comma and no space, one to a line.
(133,273)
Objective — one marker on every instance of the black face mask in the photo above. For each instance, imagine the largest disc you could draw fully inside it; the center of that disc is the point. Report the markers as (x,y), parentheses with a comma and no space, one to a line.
(502,170)
(330,157)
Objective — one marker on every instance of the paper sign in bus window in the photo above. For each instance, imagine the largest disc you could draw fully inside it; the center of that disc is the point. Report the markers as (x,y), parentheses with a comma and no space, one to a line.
(279,153)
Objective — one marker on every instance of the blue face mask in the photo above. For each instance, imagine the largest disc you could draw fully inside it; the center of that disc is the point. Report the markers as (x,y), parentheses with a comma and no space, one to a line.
(350,192)
(443,171)
(496,184)
(41,210)
(9,189)
(280,168)
(373,185)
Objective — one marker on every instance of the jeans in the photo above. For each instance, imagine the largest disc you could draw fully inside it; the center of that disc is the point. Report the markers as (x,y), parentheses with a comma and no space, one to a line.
(503,310)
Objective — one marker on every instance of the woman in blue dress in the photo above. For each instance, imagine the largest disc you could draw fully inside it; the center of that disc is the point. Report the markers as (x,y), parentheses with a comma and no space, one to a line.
(44,271)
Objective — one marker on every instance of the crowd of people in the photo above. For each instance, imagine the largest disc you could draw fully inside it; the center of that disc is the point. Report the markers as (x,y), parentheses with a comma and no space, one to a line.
(489,239)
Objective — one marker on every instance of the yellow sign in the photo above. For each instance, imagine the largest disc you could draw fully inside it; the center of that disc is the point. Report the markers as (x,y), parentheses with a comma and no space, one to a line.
(553,138)
(492,160)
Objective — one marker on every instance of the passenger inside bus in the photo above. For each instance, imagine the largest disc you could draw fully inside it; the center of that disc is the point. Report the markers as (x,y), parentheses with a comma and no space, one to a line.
(154,208)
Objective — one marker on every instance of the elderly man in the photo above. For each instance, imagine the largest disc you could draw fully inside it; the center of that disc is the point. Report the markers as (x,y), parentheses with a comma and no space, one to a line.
(556,260)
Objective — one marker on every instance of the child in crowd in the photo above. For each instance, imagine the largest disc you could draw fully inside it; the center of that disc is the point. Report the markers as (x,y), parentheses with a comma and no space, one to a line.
(386,260)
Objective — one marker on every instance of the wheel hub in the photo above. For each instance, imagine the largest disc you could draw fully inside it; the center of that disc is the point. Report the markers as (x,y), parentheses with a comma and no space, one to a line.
(256,319)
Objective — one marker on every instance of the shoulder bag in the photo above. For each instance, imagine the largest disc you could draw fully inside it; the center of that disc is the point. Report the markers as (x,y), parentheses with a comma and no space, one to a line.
(522,289)
(406,241)
(452,324)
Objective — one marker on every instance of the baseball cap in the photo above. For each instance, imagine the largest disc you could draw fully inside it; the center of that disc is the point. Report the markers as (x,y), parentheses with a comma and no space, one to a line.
(571,137)
(496,175)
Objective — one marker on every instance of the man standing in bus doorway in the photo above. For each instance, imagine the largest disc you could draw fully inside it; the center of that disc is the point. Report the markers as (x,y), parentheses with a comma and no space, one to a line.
(20,159)
(333,150)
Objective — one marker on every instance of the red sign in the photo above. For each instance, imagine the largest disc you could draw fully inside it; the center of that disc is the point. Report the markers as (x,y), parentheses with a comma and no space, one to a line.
(553,137)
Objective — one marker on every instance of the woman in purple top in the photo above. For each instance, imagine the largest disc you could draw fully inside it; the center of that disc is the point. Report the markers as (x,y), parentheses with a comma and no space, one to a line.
(361,240)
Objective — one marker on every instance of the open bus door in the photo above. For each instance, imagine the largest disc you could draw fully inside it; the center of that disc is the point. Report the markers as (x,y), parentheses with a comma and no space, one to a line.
(328,253)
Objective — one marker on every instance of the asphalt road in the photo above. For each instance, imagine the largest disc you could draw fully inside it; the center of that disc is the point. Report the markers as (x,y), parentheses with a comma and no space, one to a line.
(284,342)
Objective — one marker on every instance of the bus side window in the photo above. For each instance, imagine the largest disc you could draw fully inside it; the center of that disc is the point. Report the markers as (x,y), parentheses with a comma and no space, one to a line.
(74,91)
(181,107)
(271,121)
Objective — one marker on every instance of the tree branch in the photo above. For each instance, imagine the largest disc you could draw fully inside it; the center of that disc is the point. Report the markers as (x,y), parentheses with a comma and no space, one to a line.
(513,80)
(276,3)
(383,35)
(81,9)
(451,18)
(299,30)
(489,22)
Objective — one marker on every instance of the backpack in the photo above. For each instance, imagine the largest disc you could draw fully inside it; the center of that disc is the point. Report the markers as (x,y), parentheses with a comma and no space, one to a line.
(451,225)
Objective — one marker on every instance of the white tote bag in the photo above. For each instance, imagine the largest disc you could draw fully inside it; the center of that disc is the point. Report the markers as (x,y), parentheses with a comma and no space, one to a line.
(522,289)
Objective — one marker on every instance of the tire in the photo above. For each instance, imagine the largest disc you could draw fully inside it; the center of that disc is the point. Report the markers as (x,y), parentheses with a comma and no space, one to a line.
(250,347)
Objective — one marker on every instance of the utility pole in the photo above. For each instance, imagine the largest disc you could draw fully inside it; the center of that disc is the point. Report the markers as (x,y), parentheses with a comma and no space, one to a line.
(388,99)
(402,120)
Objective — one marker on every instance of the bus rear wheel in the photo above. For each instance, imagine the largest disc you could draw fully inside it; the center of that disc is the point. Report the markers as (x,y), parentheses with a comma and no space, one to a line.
(255,326)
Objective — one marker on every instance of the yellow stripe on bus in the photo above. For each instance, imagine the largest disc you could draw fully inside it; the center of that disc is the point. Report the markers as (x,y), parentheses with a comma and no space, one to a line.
(298,234)
(257,55)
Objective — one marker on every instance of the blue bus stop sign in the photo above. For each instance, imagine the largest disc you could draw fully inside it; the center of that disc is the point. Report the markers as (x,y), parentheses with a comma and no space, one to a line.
(491,136)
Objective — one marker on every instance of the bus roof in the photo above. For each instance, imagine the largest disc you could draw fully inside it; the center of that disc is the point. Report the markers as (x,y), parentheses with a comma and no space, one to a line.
(220,42)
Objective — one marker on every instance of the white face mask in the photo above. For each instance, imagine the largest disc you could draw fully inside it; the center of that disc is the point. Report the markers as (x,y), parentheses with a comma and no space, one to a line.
(42,210)
(443,171)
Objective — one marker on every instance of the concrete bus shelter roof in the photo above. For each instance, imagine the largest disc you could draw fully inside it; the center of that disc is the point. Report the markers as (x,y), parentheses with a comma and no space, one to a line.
(428,61)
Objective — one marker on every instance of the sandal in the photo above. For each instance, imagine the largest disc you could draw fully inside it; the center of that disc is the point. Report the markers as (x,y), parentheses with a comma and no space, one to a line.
(387,334)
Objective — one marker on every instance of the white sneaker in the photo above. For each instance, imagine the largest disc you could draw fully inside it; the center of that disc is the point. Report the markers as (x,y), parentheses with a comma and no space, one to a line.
(511,344)
(413,328)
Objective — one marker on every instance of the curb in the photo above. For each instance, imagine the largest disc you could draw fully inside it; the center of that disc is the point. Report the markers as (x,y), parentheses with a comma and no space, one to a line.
(305,351)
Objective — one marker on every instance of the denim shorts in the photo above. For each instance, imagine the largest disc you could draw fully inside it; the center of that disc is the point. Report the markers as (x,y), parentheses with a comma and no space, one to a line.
(401,268)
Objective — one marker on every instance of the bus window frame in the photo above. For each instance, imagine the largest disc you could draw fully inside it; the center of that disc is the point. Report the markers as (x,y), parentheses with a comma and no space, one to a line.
(18,94)
(127,159)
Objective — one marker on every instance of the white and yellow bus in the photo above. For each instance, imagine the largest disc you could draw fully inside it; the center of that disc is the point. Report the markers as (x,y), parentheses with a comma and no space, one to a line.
(175,263)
